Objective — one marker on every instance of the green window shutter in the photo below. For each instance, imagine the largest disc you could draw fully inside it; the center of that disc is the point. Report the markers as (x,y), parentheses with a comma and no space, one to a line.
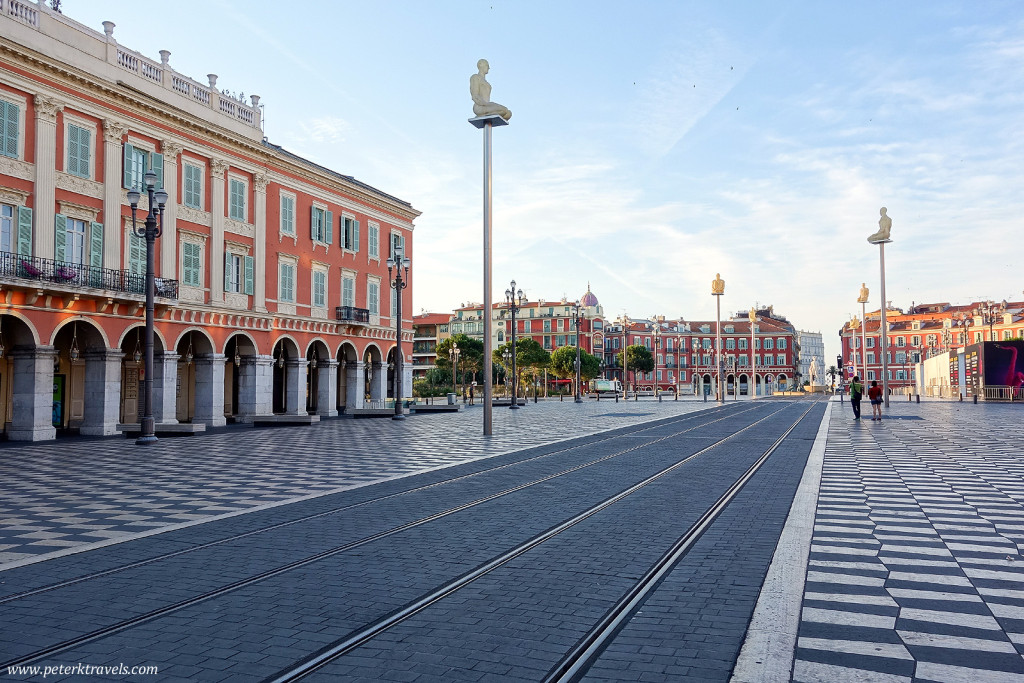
(227,272)
(401,243)
(129,158)
(192,195)
(96,245)
(9,129)
(156,163)
(187,267)
(24,231)
(73,150)
(84,151)
(196,264)
(250,266)
(355,235)
(60,236)
(329,228)
(136,254)
(312,223)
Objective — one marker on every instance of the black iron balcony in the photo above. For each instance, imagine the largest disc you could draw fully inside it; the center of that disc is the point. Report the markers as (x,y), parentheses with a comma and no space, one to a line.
(353,314)
(30,268)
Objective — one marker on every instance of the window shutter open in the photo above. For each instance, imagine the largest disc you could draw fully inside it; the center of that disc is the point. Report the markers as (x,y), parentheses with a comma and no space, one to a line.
(73,150)
(95,245)
(250,263)
(227,272)
(60,230)
(156,162)
(129,156)
(312,223)
(136,254)
(329,228)
(24,231)
(355,235)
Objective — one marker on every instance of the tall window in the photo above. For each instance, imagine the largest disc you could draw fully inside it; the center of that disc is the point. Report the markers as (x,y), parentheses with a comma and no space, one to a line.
(286,282)
(134,167)
(191,264)
(348,291)
(193,186)
(7,234)
(730,344)
(74,241)
(320,225)
(236,200)
(373,297)
(351,228)
(743,344)
(79,148)
(319,289)
(288,214)
(781,345)
(769,343)
(10,122)
(233,273)
(374,247)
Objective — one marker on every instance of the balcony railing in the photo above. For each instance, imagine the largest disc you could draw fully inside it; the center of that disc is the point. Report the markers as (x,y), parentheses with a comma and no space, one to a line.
(353,314)
(40,270)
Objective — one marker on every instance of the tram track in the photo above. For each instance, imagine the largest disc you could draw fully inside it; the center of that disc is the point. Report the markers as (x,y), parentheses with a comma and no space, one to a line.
(123,625)
(346,508)
(575,662)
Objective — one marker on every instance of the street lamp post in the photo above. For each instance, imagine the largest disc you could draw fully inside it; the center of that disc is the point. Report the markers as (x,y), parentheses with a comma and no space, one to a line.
(506,356)
(150,230)
(752,316)
(398,267)
(966,320)
(657,345)
(717,290)
(514,301)
(881,238)
(453,356)
(576,321)
(990,311)
(625,356)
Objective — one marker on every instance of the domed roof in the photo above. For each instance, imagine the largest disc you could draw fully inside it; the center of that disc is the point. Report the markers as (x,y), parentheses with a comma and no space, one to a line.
(588,300)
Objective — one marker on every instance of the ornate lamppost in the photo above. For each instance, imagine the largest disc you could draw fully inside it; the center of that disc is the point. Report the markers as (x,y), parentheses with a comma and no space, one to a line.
(657,346)
(576,321)
(150,230)
(398,274)
(626,322)
(717,290)
(506,356)
(514,301)
(990,311)
(453,356)
(752,316)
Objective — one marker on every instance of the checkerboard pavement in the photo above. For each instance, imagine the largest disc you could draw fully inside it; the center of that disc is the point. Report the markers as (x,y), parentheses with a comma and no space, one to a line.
(73,494)
(916,570)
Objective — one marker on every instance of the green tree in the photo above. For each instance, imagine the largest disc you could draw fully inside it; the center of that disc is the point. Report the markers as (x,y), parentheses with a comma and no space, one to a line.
(832,373)
(471,355)
(563,364)
(530,357)
(640,360)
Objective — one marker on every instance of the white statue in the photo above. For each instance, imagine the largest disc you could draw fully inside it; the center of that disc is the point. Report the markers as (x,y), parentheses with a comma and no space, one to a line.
(884,226)
(814,371)
(480,90)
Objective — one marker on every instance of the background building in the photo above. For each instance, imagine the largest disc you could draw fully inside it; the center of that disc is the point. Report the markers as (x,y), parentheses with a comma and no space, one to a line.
(812,348)
(273,293)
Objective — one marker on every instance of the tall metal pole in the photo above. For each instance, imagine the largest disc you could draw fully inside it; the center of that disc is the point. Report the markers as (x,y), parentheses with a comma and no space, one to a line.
(399,283)
(487,278)
(864,337)
(753,361)
(579,397)
(718,345)
(884,328)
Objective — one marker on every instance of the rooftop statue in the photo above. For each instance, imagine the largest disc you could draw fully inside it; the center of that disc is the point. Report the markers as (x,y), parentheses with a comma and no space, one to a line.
(718,285)
(884,226)
(480,90)
(863,298)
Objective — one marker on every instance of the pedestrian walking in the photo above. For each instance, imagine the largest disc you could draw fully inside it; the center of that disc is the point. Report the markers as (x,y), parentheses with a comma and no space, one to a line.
(875,395)
(856,390)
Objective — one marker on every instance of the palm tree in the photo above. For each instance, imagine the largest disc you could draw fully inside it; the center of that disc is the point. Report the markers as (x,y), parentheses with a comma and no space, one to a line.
(832,373)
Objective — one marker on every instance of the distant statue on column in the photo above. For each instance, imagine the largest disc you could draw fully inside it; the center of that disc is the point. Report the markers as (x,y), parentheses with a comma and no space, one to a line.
(480,90)
(863,298)
(884,226)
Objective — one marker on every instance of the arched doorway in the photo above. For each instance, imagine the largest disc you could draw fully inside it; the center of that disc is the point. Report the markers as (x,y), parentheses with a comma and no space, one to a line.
(744,386)
(199,390)
(349,379)
(782,382)
(376,376)
(133,374)
(320,380)
(25,381)
(769,385)
(86,394)
(289,378)
(730,385)
(706,385)
(240,378)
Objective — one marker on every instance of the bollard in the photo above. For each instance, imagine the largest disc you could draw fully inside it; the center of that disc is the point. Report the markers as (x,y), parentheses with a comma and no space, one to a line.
(910,398)
(616,396)
(705,397)
(636,396)
(918,398)
(975,399)
(659,397)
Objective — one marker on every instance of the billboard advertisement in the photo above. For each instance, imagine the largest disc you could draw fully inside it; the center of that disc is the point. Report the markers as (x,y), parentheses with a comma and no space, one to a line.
(1004,364)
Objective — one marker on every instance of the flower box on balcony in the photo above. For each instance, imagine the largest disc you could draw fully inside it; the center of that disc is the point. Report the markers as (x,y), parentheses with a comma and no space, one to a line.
(28,270)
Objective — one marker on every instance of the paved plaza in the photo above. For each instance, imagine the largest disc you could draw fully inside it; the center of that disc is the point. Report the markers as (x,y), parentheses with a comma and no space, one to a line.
(900,559)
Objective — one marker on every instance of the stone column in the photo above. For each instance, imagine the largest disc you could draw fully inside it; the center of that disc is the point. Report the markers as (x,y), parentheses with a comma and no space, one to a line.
(218,167)
(259,244)
(355,378)
(46,175)
(165,387)
(32,394)
(209,399)
(379,381)
(295,386)
(168,241)
(113,132)
(102,391)
(255,387)
(327,389)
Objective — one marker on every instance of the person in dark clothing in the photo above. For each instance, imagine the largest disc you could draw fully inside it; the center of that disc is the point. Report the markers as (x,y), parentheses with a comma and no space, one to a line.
(875,394)
(856,392)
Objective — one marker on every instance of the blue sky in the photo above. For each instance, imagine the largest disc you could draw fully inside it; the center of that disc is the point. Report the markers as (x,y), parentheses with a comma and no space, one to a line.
(652,144)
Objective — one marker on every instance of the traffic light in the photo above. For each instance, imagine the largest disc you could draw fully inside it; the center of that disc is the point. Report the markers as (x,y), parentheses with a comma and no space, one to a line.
(839,365)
